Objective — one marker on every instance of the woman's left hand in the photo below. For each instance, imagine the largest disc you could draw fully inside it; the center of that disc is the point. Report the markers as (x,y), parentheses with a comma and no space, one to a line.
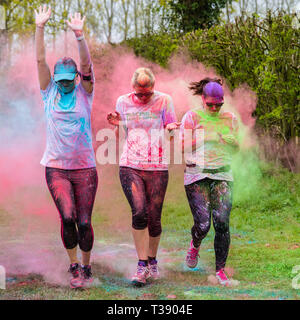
(76,23)
(173,125)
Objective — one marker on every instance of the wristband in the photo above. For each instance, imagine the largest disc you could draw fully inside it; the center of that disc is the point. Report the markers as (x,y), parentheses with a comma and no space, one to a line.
(172,133)
(87,77)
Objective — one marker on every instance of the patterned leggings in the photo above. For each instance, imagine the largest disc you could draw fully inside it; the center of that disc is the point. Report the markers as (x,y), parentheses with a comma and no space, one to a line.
(145,192)
(214,197)
(73,192)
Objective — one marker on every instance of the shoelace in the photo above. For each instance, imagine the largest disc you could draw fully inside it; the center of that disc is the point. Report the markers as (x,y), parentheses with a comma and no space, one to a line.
(153,267)
(193,253)
(222,275)
(140,269)
(74,269)
(87,272)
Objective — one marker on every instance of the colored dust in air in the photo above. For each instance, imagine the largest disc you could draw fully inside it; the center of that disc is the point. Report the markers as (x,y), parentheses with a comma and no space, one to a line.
(30,225)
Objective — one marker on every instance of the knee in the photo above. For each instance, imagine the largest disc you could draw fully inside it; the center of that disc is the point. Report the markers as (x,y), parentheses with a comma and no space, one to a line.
(221,226)
(139,219)
(202,228)
(84,225)
(69,221)
(155,229)
(86,235)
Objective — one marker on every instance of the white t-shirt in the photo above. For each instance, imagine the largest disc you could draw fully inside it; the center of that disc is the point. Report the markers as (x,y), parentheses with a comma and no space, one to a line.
(213,154)
(69,136)
(144,146)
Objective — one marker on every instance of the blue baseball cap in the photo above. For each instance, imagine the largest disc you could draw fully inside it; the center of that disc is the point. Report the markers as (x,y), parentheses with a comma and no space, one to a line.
(65,69)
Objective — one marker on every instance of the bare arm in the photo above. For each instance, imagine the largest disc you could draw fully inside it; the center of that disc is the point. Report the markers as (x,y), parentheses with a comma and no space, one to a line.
(76,24)
(231,138)
(41,19)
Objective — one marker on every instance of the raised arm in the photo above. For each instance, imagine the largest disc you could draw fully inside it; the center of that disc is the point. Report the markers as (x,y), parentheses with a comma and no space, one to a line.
(76,24)
(41,18)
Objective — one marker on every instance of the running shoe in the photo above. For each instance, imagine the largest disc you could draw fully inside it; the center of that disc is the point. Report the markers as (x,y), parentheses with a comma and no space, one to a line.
(141,275)
(222,278)
(153,270)
(76,281)
(192,256)
(86,274)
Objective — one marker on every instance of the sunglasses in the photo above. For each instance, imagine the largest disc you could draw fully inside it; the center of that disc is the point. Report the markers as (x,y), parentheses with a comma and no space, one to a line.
(66,81)
(210,105)
(141,95)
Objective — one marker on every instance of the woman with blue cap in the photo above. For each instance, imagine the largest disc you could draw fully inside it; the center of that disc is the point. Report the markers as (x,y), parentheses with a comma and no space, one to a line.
(69,156)
(208,176)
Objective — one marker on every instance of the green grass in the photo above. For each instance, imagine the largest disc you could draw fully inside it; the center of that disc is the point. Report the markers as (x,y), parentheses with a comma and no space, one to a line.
(265,244)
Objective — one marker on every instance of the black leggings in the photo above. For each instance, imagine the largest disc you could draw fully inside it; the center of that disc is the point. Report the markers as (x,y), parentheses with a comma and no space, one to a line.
(211,196)
(73,192)
(145,192)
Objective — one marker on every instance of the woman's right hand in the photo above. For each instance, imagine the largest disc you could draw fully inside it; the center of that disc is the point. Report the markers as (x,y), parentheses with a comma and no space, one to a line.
(114,118)
(42,16)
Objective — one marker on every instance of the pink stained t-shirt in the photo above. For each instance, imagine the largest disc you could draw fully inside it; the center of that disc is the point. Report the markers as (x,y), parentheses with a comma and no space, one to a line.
(145,146)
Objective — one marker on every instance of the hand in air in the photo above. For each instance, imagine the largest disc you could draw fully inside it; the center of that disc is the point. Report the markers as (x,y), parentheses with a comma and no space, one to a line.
(42,16)
(76,23)
(114,118)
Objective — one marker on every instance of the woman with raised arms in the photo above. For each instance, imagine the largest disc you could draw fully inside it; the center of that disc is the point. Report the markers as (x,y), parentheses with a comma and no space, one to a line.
(69,156)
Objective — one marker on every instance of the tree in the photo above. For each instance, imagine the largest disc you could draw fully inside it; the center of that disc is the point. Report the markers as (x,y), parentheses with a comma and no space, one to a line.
(189,15)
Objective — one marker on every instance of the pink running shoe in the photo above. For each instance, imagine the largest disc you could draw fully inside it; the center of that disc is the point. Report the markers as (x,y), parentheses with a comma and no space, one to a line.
(222,278)
(153,270)
(192,256)
(86,275)
(141,275)
(76,280)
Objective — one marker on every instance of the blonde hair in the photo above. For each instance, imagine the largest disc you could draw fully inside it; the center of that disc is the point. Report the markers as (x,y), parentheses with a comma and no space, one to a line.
(143,77)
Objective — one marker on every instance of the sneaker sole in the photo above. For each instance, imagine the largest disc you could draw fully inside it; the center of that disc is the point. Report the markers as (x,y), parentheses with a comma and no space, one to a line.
(223,283)
(76,286)
(191,266)
(138,283)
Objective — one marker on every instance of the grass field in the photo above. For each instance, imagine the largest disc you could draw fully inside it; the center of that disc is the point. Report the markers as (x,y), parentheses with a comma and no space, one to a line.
(265,244)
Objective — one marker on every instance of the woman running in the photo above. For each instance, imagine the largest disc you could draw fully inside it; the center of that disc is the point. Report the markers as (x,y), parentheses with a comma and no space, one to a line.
(69,156)
(208,176)
(144,114)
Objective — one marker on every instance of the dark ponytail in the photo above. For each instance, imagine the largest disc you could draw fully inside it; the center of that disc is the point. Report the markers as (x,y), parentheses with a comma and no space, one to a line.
(197,87)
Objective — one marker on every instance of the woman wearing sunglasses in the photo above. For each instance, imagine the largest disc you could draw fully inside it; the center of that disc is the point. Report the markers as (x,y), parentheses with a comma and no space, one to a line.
(208,176)
(69,156)
(144,114)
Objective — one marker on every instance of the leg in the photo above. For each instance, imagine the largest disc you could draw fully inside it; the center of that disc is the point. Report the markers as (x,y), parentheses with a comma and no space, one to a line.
(134,190)
(141,241)
(198,198)
(221,202)
(156,186)
(153,246)
(86,256)
(72,253)
(62,193)
(85,184)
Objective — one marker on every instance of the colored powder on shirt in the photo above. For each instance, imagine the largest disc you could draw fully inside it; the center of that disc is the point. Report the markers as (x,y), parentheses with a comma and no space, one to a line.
(144,130)
(69,137)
